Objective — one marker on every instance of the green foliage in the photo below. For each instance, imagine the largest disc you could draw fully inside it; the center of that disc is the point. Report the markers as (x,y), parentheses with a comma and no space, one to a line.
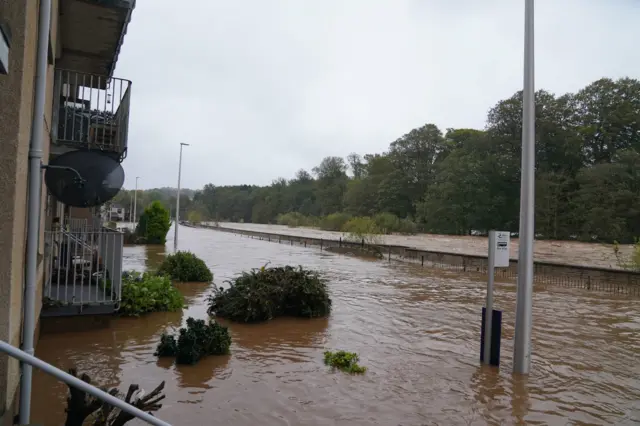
(334,221)
(296,219)
(362,229)
(194,342)
(266,293)
(344,361)
(194,217)
(457,181)
(111,225)
(154,224)
(630,262)
(185,266)
(144,293)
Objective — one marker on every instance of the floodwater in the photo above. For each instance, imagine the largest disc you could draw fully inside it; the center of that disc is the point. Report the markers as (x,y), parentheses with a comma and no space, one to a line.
(416,330)
(567,252)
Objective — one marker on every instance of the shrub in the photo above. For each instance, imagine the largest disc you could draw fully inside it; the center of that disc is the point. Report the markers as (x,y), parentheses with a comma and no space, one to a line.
(387,223)
(295,219)
(143,293)
(154,224)
(345,361)
(194,217)
(111,225)
(408,226)
(266,293)
(197,340)
(334,221)
(186,267)
(631,261)
(362,228)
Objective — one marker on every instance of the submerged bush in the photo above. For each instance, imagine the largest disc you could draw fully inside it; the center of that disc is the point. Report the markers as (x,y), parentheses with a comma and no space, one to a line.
(387,223)
(194,342)
(362,229)
(295,219)
(344,361)
(144,293)
(631,261)
(266,293)
(186,267)
(334,221)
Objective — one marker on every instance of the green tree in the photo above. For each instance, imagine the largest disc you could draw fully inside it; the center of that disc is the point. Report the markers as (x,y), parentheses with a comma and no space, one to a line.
(154,224)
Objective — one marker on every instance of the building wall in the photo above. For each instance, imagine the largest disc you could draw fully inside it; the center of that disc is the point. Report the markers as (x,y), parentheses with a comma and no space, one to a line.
(17,89)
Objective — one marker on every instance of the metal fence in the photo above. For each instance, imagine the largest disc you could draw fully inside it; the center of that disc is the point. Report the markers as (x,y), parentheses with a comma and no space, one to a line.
(83,266)
(545,273)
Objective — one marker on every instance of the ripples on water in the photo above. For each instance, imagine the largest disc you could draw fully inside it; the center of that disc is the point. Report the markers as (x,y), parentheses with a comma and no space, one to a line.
(416,330)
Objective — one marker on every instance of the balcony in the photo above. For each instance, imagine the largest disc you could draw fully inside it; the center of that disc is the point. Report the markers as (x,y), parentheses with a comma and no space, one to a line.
(83,274)
(90,112)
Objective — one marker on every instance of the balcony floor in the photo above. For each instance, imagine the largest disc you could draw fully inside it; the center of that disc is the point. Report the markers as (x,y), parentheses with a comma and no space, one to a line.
(88,300)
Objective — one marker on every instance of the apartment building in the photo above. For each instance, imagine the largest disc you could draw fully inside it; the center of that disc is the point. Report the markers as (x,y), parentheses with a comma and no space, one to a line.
(86,108)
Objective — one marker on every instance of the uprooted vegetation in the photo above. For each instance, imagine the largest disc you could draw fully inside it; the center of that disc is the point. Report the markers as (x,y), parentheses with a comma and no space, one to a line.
(344,361)
(195,341)
(266,293)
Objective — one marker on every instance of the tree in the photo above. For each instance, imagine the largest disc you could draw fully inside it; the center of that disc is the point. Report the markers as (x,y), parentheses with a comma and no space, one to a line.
(154,224)
(587,186)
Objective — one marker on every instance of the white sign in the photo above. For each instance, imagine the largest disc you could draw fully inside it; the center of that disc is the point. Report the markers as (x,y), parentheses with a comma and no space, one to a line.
(501,249)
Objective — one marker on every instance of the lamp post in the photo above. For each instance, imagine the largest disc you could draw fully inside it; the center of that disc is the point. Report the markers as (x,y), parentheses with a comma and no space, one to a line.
(522,338)
(175,234)
(135,203)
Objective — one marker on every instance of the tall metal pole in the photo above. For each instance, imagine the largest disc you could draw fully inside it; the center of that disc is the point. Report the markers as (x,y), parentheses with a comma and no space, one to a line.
(177,221)
(36,146)
(131,209)
(135,203)
(488,316)
(522,339)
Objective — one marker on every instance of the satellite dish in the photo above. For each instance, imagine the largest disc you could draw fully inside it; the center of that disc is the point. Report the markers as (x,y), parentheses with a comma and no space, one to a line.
(84,178)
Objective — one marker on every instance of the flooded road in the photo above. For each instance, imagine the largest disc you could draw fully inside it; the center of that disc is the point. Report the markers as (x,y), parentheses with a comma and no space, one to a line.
(416,330)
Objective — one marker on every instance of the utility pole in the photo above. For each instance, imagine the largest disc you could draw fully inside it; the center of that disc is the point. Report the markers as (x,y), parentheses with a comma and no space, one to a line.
(175,234)
(135,204)
(523,326)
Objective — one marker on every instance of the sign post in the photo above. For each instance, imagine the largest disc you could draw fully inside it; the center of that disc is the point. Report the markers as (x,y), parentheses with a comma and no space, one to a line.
(498,258)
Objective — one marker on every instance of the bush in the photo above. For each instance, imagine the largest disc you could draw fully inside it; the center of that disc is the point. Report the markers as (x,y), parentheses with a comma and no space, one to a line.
(267,293)
(345,361)
(194,217)
(362,228)
(111,225)
(143,293)
(387,223)
(334,221)
(631,261)
(154,224)
(408,227)
(295,219)
(186,267)
(197,340)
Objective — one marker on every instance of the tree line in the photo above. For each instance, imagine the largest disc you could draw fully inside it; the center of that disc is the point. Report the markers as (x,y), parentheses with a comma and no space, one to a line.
(461,181)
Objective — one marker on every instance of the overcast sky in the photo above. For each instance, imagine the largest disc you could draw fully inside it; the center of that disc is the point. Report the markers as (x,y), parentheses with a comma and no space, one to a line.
(263,88)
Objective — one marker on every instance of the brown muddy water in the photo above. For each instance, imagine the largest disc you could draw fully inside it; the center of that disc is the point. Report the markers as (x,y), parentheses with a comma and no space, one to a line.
(416,330)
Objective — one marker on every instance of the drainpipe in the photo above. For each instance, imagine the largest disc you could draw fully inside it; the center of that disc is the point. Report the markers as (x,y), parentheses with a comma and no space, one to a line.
(34,206)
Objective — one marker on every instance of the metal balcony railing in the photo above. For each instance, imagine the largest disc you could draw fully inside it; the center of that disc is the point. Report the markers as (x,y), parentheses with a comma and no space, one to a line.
(77,383)
(91,112)
(83,269)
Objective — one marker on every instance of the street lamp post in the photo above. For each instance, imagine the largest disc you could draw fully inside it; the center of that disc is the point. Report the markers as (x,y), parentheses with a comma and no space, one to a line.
(135,203)
(522,338)
(177,220)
